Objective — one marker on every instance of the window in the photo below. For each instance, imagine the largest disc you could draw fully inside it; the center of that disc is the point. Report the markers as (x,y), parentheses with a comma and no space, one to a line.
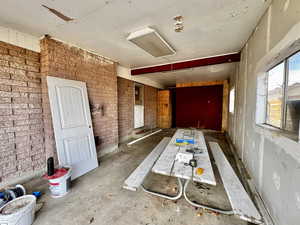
(293,94)
(283,95)
(275,96)
(231,100)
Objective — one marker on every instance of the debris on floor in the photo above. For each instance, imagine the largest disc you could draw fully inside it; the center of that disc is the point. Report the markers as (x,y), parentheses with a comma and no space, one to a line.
(92,220)
(39,206)
(201,186)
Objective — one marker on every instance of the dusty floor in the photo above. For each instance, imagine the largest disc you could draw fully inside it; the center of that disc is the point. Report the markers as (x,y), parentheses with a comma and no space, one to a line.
(98,198)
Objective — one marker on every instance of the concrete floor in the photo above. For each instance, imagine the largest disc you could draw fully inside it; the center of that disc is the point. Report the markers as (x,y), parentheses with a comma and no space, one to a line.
(98,198)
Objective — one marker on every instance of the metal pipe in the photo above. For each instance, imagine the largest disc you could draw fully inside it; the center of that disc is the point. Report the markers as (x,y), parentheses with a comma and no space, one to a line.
(176,197)
(141,138)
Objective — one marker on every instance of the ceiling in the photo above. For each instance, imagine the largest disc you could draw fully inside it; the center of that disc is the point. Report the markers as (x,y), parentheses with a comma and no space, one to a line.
(211,27)
(205,73)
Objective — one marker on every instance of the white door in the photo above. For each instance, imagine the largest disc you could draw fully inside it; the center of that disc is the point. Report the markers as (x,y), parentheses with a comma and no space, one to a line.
(138,116)
(72,125)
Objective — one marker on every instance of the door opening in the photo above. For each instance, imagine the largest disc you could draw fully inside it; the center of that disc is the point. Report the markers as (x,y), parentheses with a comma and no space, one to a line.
(138,106)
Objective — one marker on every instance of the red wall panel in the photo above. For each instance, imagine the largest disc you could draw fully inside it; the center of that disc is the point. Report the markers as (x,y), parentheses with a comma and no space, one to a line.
(199,107)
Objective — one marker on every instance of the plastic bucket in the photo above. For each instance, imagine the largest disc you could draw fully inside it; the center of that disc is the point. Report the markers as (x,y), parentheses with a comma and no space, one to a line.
(60,186)
(19,211)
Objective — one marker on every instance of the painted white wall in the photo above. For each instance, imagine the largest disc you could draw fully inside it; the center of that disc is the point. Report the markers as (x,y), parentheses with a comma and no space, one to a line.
(271,158)
(20,39)
(124,72)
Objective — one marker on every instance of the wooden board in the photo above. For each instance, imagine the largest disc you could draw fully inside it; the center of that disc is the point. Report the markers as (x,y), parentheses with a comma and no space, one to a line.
(167,164)
(164,109)
(241,203)
(136,178)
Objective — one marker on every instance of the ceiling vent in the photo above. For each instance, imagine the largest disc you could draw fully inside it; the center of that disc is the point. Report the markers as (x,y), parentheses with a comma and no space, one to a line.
(149,40)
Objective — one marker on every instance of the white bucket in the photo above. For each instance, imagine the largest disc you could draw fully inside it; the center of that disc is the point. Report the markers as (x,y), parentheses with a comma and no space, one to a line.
(59,187)
(19,211)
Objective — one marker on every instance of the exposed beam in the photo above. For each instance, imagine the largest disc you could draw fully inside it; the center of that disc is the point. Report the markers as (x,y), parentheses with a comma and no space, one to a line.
(235,57)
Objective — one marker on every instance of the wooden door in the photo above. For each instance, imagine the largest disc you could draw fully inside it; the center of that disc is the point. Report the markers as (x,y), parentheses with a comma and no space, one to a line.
(164,110)
(72,125)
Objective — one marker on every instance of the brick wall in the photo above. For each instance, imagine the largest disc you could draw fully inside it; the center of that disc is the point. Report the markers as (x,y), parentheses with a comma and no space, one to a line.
(21,124)
(26,132)
(125,107)
(150,101)
(61,60)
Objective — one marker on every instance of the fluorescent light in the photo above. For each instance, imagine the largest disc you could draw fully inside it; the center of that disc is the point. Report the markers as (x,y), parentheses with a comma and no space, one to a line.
(150,41)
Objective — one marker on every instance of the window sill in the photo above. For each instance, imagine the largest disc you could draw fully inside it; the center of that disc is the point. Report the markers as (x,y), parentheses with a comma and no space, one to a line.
(277,131)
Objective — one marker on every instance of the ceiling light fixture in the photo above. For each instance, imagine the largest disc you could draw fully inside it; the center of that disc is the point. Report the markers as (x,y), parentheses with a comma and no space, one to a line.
(150,41)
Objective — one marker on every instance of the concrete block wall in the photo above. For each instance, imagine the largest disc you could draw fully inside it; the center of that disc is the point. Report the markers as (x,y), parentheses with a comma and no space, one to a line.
(21,124)
(61,60)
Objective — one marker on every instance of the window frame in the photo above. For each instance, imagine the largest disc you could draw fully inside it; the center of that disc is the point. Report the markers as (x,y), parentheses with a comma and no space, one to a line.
(284,94)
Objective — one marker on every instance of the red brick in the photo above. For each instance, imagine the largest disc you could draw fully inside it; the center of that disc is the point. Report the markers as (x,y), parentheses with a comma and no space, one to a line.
(33,75)
(25,77)
(6,124)
(36,126)
(18,53)
(17,65)
(6,136)
(14,117)
(3,50)
(5,106)
(4,70)
(7,141)
(4,75)
(26,111)
(34,84)
(26,100)
(4,87)
(36,116)
(4,112)
(33,68)
(26,89)
(19,106)
(5,100)
(32,63)
(4,62)
(12,94)
(22,141)
(34,95)
(34,106)
(15,71)
(7,147)
(16,129)
(13,82)
(26,133)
